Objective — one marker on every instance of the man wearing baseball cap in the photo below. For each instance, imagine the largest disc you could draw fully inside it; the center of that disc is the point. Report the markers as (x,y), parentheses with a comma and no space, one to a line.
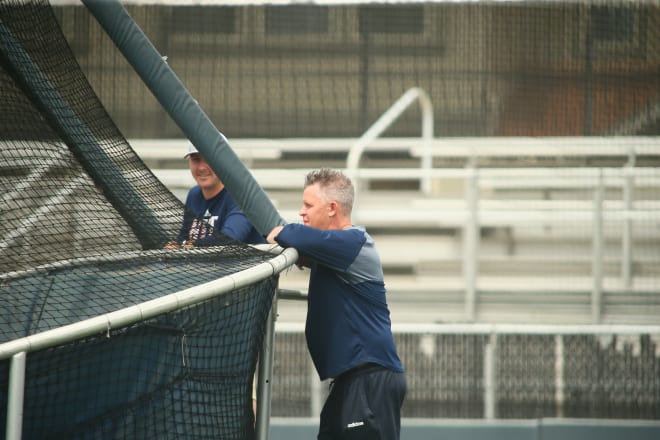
(209,208)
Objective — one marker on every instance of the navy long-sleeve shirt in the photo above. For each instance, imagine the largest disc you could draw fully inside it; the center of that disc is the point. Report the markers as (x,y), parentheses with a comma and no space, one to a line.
(220,213)
(348,320)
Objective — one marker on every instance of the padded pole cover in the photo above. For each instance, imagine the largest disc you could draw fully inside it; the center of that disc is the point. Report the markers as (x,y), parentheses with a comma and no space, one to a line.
(186,112)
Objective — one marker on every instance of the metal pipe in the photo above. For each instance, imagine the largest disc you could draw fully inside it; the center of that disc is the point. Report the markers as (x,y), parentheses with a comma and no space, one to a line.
(316,393)
(597,253)
(15,396)
(265,376)
(490,357)
(149,309)
(559,375)
(471,243)
(627,238)
(513,329)
(384,122)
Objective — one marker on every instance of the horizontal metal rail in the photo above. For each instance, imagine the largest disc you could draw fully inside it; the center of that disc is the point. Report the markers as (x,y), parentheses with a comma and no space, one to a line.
(455,147)
(149,309)
(17,349)
(523,177)
(486,328)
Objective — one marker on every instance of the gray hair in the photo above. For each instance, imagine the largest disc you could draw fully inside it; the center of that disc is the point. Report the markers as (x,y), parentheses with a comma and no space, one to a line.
(334,185)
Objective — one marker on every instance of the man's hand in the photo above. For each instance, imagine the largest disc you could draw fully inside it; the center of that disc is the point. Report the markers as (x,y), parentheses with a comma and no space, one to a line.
(273,233)
(171,245)
(302,261)
(187,244)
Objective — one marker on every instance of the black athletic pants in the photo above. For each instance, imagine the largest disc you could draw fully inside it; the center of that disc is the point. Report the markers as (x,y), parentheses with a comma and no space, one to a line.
(364,403)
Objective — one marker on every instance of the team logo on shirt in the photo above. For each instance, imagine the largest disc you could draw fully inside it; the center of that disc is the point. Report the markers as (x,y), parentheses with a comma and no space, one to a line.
(203,227)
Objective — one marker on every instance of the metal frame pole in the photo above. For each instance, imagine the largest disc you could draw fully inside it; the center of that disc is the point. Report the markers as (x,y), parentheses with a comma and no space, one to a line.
(490,377)
(597,252)
(15,396)
(471,242)
(265,376)
(627,237)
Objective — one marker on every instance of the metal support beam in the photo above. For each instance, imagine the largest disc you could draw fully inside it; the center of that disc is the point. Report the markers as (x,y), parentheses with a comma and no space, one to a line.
(597,253)
(16,396)
(265,375)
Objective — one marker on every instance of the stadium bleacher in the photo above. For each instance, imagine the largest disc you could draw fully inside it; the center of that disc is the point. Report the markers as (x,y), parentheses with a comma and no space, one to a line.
(491,230)
(535,219)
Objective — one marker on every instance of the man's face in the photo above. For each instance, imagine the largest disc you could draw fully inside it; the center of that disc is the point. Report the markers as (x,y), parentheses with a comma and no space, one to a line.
(316,211)
(202,172)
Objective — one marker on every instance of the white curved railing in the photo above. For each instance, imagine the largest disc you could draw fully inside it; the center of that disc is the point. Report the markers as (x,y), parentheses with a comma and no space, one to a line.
(384,122)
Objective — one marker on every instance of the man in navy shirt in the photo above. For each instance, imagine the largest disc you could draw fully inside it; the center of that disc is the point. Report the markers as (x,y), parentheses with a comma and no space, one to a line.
(348,328)
(210,207)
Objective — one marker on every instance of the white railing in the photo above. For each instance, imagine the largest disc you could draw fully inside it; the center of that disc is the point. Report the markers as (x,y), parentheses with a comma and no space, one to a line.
(384,122)
(628,335)
(474,210)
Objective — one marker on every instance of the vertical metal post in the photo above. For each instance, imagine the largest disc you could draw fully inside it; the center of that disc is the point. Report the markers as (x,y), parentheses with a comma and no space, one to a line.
(559,375)
(471,241)
(316,398)
(427,136)
(626,237)
(383,123)
(15,396)
(264,381)
(489,377)
(597,252)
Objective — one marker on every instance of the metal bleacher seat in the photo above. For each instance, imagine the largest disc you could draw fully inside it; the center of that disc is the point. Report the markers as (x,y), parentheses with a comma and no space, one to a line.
(535,209)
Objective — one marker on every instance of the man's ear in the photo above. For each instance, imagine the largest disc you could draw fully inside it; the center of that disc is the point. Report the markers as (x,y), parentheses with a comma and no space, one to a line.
(332,208)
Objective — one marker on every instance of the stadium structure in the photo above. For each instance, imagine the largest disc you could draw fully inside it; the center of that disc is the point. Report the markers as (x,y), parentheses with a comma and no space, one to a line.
(506,159)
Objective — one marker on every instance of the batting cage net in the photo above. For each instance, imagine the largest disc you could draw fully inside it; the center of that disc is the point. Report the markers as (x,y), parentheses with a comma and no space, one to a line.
(83,226)
(84,220)
(330,68)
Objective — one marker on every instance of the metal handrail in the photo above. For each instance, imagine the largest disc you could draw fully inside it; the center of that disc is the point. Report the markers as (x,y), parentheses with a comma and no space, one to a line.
(384,122)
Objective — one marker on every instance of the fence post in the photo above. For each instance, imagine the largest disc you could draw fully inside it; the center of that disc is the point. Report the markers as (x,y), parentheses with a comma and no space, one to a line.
(471,241)
(15,396)
(559,374)
(490,388)
(597,252)
(626,238)
(265,376)
(316,403)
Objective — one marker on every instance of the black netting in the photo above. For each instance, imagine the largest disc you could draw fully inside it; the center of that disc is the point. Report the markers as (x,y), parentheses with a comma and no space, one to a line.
(186,374)
(532,68)
(83,220)
(83,224)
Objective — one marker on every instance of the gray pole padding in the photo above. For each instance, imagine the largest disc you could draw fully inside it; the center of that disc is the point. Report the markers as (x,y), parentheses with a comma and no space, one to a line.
(184,110)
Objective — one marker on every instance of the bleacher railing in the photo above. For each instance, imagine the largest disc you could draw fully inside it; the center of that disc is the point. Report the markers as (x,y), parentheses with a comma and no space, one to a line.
(498,371)
(617,198)
(384,122)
